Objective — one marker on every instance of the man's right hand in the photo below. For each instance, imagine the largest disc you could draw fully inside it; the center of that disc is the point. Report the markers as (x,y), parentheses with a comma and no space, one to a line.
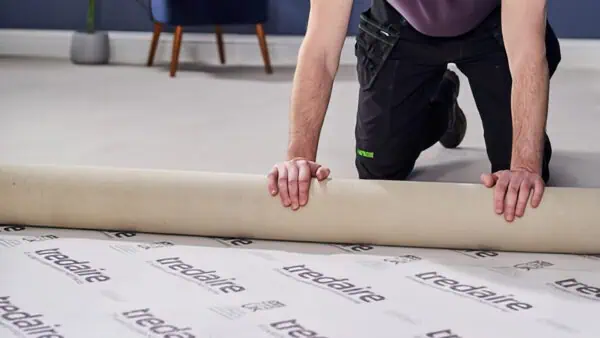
(291,180)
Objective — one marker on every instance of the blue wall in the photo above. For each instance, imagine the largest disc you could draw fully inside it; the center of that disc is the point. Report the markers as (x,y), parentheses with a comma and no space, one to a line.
(573,19)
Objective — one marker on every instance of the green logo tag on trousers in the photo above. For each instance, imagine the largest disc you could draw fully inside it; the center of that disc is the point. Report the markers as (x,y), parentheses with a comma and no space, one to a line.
(364,153)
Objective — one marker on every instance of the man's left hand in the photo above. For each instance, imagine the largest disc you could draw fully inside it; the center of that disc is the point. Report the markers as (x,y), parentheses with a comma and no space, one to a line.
(512,191)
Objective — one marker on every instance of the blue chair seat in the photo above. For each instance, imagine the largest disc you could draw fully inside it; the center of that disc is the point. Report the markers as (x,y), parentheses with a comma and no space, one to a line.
(182,13)
(210,12)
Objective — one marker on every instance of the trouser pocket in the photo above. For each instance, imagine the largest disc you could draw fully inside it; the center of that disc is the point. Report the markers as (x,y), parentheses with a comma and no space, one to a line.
(374,44)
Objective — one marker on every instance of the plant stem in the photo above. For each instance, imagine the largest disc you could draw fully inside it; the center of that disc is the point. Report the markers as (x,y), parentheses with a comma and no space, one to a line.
(91,15)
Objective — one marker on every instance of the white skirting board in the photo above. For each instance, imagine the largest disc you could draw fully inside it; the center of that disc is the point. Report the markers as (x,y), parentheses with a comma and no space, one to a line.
(132,48)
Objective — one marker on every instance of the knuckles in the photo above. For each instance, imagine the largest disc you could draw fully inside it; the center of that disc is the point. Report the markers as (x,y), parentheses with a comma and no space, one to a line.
(301,162)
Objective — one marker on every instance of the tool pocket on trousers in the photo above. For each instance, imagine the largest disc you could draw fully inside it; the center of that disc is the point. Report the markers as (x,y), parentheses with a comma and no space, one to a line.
(373,47)
(497,34)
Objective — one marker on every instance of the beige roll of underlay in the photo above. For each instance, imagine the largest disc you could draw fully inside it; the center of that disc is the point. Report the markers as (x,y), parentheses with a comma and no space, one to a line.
(442,215)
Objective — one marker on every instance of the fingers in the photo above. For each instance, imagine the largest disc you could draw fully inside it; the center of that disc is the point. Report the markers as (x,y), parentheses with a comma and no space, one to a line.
(272,181)
(282,184)
(304,177)
(488,180)
(510,202)
(318,171)
(293,173)
(291,180)
(322,173)
(500,192)
(524,192)
(513,190)
(538,192)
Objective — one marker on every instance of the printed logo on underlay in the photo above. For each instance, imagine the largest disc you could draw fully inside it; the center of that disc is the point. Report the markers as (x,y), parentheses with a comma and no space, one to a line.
(382,264)
(354,247)
(478,254)
(533,265)
(578,288)
(402,316)
(291,328)
(9,243)
(227,241)
(81,271)
(402,259)
(442,334)
(235,312)
(40,238)
(515,270)
(24,323)
(594,257)
(119,234)
(479,293)
(11,228)
(135,248)
(155,245)
(557,325)
(210,280)
(262,306)
(338,285)
(145,322)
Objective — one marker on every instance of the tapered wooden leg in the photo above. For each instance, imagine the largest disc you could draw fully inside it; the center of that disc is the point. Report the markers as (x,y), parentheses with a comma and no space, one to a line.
(154,43)
(176,47)
(262,40)
(220,45)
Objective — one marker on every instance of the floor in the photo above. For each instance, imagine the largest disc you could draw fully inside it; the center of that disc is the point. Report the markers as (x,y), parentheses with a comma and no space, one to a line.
(234,119)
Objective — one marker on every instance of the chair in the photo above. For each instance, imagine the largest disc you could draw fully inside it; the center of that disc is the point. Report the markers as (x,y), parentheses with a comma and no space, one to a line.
(180,13)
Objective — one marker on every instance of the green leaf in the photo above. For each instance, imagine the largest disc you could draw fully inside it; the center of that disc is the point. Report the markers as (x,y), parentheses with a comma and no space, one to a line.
(91,16)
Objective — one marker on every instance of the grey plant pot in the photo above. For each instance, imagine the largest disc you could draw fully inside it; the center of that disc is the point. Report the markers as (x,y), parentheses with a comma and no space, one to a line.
(90,48)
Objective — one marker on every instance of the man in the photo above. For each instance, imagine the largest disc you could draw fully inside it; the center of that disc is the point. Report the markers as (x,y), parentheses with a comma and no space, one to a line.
(407,98)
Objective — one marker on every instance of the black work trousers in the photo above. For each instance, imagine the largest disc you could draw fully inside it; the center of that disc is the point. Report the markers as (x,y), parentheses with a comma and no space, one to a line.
(402,108)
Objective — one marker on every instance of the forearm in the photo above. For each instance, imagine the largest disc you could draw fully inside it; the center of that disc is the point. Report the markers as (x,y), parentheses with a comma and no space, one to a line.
(311,92)
(524,31)
(529,112)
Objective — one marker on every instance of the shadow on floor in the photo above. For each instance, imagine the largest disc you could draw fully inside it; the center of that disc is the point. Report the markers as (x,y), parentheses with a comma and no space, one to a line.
(567,169)
(256,73)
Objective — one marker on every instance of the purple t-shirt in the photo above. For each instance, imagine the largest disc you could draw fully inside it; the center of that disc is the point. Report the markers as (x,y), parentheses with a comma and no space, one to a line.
(444,18)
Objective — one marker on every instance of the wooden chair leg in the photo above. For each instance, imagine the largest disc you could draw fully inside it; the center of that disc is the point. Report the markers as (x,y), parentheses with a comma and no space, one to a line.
(154,43)
(262,39)
(176,48)
(220,45)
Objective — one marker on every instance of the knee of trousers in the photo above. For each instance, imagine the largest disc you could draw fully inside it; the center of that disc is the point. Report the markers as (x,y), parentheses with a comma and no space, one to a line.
(372,169)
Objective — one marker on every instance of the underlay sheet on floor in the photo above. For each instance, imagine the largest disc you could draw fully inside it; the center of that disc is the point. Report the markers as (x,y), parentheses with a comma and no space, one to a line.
(82,283)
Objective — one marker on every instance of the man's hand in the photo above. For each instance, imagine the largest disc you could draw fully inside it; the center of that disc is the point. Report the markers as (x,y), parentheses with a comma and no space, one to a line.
(513,189)
(291,179)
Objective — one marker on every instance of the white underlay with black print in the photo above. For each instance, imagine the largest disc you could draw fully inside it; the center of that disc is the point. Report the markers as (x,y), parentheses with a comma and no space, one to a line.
(75,283)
